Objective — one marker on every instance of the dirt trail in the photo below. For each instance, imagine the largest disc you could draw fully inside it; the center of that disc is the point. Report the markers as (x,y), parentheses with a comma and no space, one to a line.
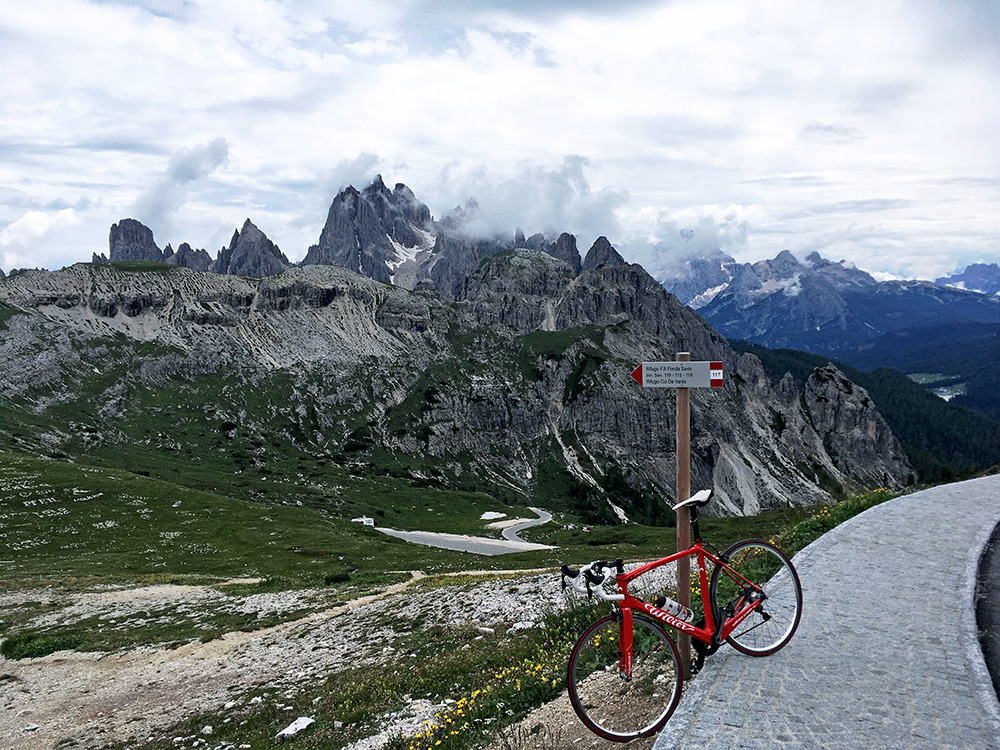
(96,698)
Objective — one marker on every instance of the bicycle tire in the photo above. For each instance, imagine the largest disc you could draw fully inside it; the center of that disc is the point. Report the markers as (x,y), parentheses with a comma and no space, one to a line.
(612,706)
(771,626)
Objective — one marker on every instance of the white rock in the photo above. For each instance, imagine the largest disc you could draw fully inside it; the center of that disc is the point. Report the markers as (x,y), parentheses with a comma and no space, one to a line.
(31,728)
(207,729)
(294,728)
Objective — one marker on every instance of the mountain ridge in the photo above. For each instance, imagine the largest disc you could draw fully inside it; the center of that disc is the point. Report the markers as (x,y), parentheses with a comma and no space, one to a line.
(831,307)
(386,235)
(519,382)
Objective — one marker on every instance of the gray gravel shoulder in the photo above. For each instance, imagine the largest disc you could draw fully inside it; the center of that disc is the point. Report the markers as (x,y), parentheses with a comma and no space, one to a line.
(887,654)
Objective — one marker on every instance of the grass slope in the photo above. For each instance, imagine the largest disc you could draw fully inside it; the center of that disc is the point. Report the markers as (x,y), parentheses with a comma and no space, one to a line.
(63,520)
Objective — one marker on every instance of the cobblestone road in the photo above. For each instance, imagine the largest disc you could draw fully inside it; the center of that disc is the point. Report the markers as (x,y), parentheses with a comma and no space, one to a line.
(886,655)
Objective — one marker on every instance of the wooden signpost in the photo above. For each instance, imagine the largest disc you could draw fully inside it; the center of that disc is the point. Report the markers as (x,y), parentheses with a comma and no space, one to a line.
(682,374)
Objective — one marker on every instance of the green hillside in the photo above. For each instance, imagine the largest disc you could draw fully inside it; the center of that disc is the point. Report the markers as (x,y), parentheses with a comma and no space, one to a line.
(59,520)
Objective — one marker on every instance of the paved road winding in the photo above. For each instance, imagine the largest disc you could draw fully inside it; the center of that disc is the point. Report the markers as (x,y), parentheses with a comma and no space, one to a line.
(477,545)
(511,532)
(887,654)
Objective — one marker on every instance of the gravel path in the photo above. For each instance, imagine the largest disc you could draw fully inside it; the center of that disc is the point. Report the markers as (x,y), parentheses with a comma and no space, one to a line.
(887,654)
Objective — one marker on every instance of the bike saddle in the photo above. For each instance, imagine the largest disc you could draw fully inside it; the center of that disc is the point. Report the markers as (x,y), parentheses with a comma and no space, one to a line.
(698,499)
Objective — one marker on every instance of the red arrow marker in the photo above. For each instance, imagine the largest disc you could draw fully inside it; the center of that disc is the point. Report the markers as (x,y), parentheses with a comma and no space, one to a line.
(637,374)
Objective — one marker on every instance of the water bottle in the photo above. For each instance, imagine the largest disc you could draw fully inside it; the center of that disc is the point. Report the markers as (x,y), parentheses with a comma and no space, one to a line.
(671,607)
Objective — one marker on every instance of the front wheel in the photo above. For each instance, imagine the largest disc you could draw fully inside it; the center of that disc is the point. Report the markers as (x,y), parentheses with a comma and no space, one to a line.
(619,706)
(757,575)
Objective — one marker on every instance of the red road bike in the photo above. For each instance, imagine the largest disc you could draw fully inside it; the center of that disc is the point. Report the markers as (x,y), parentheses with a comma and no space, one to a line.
(625,674)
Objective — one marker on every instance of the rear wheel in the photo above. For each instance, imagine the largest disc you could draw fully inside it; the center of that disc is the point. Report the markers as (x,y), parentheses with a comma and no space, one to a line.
(622,707)
(757,571)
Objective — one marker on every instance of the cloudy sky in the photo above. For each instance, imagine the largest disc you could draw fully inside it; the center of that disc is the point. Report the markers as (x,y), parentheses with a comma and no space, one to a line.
(863,129)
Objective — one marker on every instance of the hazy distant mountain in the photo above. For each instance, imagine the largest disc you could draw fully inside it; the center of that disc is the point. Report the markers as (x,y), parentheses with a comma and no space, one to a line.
(696,280)
(979,277)
(828,307)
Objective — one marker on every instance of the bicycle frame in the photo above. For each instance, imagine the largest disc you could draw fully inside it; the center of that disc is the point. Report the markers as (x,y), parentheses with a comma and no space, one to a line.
(710,633)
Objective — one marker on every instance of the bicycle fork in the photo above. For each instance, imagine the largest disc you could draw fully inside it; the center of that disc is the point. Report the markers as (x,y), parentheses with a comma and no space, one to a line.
(625,644)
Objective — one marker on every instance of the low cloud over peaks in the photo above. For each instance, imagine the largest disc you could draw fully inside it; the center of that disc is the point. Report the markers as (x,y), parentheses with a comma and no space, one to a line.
(157,205)
(702,231)
(537,198)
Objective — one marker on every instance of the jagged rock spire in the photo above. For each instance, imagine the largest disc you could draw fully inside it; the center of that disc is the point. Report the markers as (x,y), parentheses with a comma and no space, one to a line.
(251,253)
(362,226)
(565,249)
(196,260)
(602,253)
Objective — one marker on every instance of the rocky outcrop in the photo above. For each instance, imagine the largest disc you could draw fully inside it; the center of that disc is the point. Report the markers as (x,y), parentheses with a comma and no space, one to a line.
(854,434)
(185,257)
(454,258)
(517,288)
(250,253)
(131,240)
(601,253)
(565,250)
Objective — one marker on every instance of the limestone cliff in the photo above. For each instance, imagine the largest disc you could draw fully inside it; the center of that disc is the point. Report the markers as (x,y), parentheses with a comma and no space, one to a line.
(522,379)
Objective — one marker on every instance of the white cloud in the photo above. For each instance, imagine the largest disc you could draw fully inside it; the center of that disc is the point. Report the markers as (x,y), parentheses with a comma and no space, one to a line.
(158,204)
(20,240)
(862,129)
(534,197)
(669,239)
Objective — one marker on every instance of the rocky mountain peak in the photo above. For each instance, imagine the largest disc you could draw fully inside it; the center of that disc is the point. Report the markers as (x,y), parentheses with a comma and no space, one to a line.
(415,212)
(564,249)
(185,257)
(370,232)
(783,266)
(601,253)
(251,253)
(130,239)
